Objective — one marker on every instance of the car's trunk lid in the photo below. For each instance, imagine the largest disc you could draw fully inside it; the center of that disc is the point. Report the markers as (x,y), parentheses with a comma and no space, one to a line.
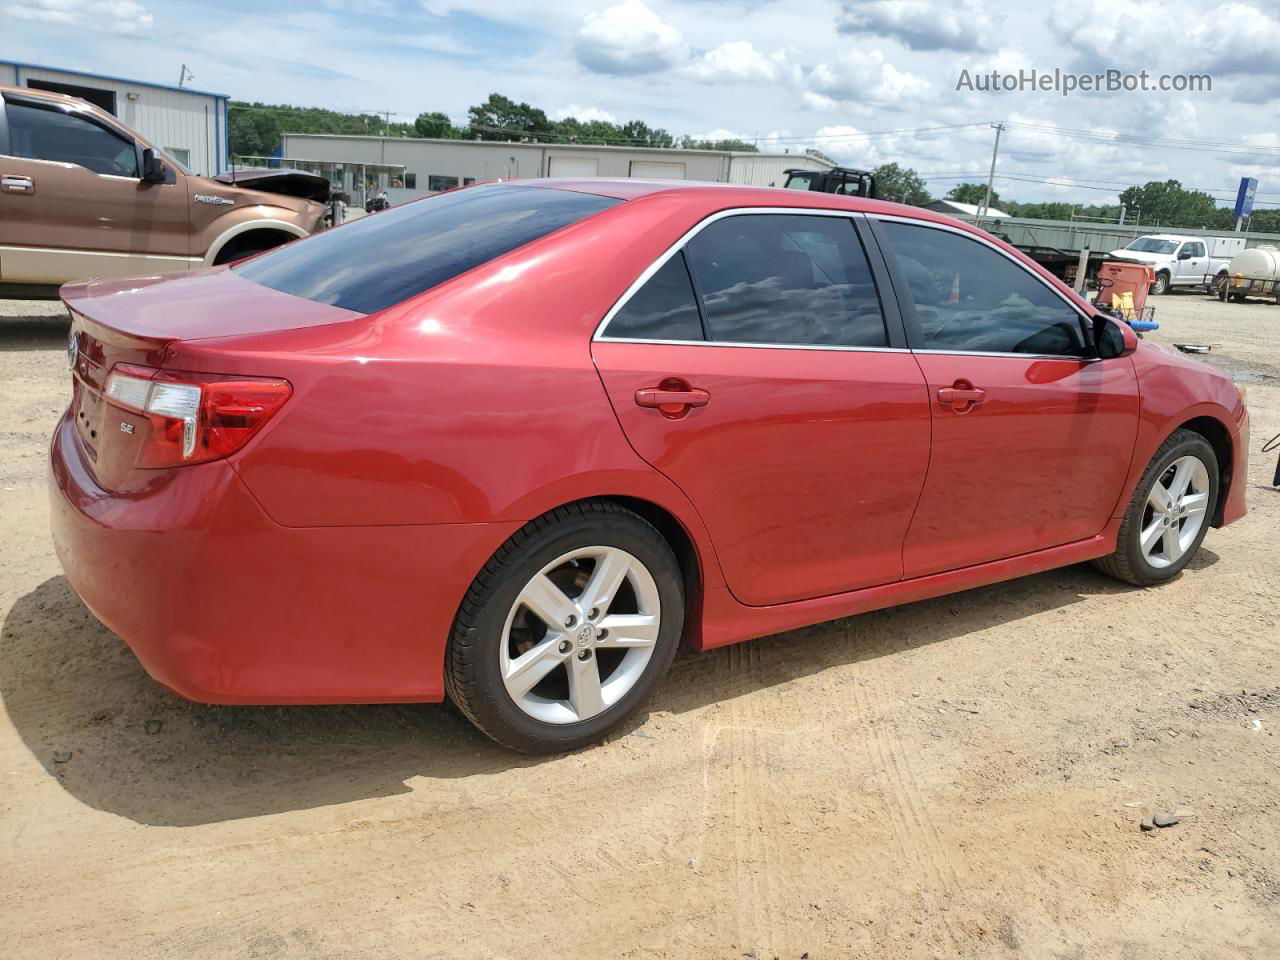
(136,322)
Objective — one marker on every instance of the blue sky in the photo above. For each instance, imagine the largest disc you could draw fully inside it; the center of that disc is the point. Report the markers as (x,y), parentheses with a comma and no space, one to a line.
(792,73)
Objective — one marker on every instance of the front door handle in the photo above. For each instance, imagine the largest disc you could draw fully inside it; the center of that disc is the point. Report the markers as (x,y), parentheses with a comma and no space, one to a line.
(962,396)
(673,398)
(14,184)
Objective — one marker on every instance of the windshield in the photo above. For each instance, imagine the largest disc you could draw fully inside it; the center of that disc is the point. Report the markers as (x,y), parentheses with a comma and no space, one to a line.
(385,258)
(800,181)
(1153,245)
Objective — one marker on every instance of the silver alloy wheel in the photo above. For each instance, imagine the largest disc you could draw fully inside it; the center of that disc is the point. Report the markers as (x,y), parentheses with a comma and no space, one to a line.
(580,634)
(1175,511)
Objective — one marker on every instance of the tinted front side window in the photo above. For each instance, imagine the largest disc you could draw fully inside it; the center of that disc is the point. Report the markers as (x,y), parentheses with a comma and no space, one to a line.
(786,279)
(379,261)
(969,298)
(663,309)
(65,138)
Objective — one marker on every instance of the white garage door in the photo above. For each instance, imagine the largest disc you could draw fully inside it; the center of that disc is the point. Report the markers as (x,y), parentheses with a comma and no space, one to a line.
(573,167)
(657,170)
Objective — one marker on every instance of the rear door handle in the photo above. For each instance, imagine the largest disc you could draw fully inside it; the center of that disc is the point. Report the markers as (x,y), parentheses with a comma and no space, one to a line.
(962,396)
(673,398)
(12,184)
(657,397)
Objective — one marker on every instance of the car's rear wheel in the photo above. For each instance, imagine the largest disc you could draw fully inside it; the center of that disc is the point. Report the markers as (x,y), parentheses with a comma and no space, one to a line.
(1168,516)
(567,629)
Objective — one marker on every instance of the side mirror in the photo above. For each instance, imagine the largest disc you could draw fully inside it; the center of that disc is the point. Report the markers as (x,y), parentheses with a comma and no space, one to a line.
(152,168)
(1184,254)
(1113,338)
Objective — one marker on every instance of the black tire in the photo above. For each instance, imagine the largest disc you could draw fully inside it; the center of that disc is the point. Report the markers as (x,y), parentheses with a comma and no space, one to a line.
(473,675)
(239,249)
(1237,297)
(1161,286)
(1127,562)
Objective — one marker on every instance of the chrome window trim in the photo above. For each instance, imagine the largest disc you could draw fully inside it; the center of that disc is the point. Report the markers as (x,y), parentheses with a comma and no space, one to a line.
(1012,356)
(917,222)
(757,346)
(692,232)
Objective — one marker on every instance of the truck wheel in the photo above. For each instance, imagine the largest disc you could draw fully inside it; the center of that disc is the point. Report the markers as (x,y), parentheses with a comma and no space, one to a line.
(1219,285)
(1161,286)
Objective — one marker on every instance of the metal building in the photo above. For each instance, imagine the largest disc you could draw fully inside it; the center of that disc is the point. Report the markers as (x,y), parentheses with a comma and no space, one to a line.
(432,165)
(190,124)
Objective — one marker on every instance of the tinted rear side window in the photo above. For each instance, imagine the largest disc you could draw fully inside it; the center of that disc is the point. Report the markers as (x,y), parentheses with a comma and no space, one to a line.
(388,257)
(663,309)
(786,279)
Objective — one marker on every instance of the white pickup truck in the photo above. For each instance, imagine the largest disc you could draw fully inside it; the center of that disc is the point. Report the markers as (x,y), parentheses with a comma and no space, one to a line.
(1182,261)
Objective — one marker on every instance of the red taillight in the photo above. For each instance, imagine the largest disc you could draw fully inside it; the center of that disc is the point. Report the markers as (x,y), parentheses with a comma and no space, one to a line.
(194,417)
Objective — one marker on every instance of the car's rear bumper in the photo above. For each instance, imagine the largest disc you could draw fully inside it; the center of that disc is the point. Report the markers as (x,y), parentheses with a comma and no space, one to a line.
(223,605)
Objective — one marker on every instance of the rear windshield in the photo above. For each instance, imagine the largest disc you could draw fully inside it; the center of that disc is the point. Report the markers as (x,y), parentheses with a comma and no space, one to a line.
(387,257)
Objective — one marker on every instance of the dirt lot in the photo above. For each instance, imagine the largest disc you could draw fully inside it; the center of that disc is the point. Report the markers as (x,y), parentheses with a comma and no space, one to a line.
(958,778)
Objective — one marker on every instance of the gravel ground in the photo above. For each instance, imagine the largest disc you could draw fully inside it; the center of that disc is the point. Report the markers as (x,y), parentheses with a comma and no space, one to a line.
(962,777)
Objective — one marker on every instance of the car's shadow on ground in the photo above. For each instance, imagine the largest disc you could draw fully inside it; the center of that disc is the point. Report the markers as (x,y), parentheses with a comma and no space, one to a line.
(39,331)
(120,743)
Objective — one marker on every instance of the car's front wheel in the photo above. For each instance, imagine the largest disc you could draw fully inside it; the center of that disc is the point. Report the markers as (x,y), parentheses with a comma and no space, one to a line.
(567,629)
(1161,286)
(1169,513)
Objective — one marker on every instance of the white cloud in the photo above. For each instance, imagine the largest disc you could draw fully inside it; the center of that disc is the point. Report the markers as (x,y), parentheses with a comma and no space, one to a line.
(629,39)
(115,16)
(583,114)
(864,79)
(739,61)
(921,24)
(1239,39)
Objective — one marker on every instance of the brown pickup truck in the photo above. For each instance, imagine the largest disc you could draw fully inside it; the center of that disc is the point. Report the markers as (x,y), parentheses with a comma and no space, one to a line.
(83,196)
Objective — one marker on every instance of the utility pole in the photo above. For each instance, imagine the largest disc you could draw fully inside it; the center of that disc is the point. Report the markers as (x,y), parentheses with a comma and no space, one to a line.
(986,204)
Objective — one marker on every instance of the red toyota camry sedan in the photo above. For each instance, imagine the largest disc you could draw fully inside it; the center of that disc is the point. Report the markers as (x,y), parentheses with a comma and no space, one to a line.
(515,442)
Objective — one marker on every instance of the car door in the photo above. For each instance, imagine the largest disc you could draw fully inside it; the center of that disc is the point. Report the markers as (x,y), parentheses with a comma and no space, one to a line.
(780,397)
(73,204)
(1193,264)
(1031,438)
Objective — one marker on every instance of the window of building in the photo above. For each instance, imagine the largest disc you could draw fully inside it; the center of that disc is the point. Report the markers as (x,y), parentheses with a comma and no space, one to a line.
(786,279)
(376,262)
(468,181)
(435,182)
(182,155)
(663,309)
(64,137)
(970,299)
(411,181)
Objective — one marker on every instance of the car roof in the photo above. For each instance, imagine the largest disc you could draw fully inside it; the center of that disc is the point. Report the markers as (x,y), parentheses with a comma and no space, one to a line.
(731,195)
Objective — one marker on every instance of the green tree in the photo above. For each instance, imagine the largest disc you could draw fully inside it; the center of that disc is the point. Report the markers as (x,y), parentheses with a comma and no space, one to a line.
(729,143)
(435,126)
(251,132)
(901,185)
(1168,204)
(501,118)
(974,193)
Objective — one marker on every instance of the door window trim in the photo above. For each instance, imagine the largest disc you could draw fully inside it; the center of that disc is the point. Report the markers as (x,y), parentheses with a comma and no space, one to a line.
(915,335)
(895,336)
